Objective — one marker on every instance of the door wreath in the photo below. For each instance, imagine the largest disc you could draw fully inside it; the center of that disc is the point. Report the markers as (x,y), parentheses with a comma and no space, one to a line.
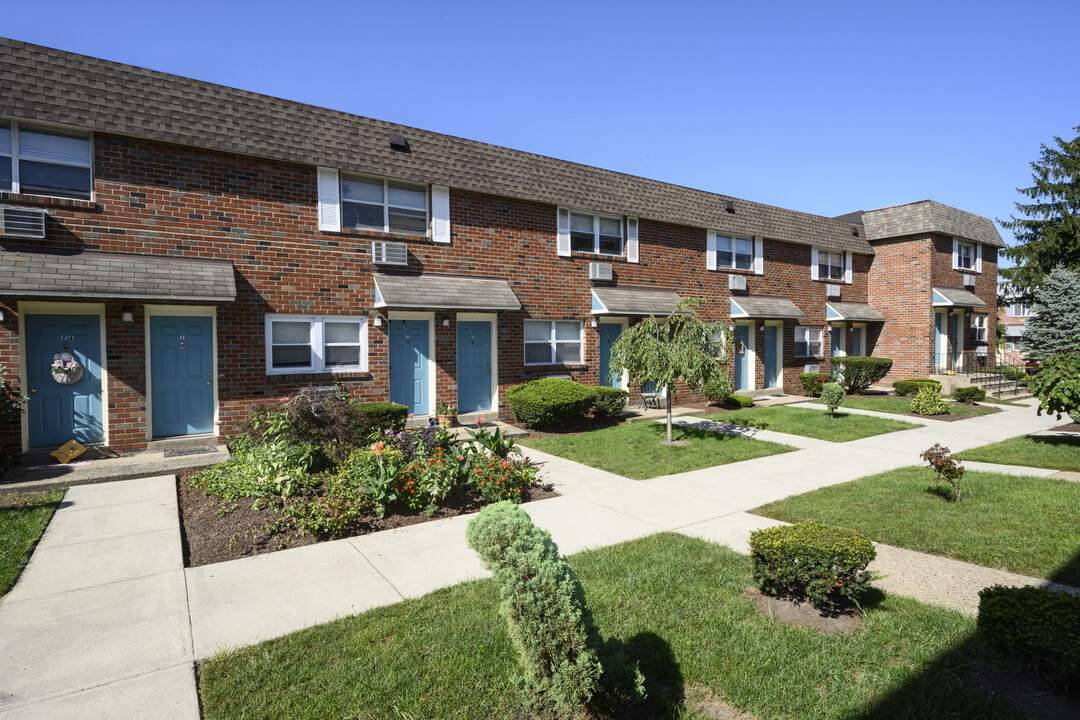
(65,369)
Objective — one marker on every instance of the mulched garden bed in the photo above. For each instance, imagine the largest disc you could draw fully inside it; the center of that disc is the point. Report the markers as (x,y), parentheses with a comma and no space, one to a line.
(1067,427)
(214,530)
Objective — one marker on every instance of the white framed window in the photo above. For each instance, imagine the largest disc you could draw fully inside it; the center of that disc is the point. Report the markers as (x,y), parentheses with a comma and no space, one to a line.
(807,341)
(1017,310)
(734,252)
(44,161)
(965,256)
(315,344)
(385,205)
(553,342)
(978,328)
(595,233)
(830,266)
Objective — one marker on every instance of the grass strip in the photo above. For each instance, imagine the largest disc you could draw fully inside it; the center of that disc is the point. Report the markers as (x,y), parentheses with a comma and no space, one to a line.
(1041,451)
(22,521)
(812,423)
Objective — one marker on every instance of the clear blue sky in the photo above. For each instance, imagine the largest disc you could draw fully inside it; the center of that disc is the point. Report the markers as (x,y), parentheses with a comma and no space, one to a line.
(819,107)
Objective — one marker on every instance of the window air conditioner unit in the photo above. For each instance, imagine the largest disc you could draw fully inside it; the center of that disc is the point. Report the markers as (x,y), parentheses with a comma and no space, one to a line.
(389,253)
(22,222)
(599,271)
(736,282)
(832,291)
(969,280)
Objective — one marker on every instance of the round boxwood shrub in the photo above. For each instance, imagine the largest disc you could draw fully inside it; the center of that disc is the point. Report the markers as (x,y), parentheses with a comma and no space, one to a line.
(969,394)
(910,387)
(608,402)
(832,394)
(741,401)
(824,563)
(857,373)
(813,382)
(550,401)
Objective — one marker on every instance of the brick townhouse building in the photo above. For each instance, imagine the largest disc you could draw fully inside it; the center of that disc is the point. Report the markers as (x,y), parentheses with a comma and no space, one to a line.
(193,248)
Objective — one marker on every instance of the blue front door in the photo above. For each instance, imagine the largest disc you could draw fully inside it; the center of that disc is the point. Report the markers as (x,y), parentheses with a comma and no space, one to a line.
(836,343)
(60,412)
(742,357)
(409,365)
(608,335)
(856,341)
(770,356)
(181,375)
(474,366)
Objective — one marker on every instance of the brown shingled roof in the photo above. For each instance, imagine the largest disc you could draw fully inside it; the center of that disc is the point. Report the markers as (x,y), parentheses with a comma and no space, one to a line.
(44,84)
(927,216)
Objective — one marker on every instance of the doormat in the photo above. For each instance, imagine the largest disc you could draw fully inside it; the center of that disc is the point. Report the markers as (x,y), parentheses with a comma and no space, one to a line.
(53,466)
(190,451)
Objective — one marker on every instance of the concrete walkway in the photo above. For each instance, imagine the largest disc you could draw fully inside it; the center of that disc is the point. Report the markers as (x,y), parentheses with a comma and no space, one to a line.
(106,623)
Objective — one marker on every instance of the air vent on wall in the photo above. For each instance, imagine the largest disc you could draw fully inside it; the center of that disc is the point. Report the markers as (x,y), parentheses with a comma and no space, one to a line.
(832,291)
(969,280)
(736,282)
(599,271)
(22,222)
(389,253)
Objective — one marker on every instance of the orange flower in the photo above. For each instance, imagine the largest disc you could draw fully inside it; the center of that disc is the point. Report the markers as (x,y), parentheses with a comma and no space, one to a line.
(481,483)
(378,447)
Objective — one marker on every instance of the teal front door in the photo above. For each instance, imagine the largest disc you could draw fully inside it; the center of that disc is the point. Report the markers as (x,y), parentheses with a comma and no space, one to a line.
(770,356)
(742,357)
(474,366)
(608,333)
(409,365)
(856,341)
(181,375)
(836,343)
(62,411)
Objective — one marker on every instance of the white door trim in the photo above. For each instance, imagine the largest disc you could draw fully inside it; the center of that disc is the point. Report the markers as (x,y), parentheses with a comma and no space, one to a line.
(493,320)
(179,311)
(861,350)
(751,354)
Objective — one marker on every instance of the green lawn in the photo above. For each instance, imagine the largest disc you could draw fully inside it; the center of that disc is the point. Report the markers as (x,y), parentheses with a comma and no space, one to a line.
(634,450)
(674,603)
(891,404)
(812,423)
(1028,525)
(1055,453)
(22,520)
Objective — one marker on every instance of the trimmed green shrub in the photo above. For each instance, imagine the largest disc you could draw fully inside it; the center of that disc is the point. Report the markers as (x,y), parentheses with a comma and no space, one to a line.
(739,401)
(608,402)
(910,387)
(969,394)
(928,402)
(824,563)
(557,644)
(718,388)
(813,382)
(832,395)
(1036,626)
(856,373)
(550,401)
(375,417)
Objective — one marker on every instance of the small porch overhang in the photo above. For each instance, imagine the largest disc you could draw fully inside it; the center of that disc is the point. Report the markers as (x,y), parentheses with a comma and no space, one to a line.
(443,292)
(640,301)
(115,276)
(771,307)
(955,297)
(852,312)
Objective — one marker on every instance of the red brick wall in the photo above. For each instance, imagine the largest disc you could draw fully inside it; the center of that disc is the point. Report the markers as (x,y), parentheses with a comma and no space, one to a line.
(899,280)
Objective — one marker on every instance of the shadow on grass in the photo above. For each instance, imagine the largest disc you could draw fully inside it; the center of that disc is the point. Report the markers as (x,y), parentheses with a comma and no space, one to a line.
(652,655)
(1068,573)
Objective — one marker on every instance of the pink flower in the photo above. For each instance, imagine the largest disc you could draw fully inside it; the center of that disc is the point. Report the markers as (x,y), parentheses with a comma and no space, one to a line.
(460,457)
(480,421)
(410,415)
(217,422)
(284,398)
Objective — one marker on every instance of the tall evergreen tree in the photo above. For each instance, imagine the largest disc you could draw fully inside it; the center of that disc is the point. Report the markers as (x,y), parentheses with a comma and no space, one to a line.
(1048,233)
(1055,328)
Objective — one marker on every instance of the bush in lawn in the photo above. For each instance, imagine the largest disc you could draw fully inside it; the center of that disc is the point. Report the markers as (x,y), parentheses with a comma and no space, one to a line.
(910,387)
(856,373)
(741,401)
(832,395)
(947,468)
(551,401)
(824,563)
(375,417)
(11,408)
(608,402)
(717,389)
(1057,385)
(813,382)
(969,394)
(1036,626)
(544,605)
(928,402)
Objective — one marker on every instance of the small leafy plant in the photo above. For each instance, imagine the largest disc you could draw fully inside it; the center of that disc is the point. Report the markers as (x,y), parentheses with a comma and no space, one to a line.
(970,394)
(832,394)
(928,402)
(496,442)
(947,468)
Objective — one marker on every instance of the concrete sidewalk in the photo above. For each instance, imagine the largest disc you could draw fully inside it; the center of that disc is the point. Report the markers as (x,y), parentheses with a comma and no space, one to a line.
(105,622)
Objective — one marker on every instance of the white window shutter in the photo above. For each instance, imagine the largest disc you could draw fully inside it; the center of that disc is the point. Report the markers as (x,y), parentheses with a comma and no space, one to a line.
(759,256)
(710,251)
(564,232)
(978,257)
(813,264)
(329,200)
(440,213)
(631,240)
(955,254)
(847,267)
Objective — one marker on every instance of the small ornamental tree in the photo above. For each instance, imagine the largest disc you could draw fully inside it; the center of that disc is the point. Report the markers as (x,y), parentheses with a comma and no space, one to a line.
(832,395)
(1055,327)
(1057,385)
(947,468)
(678,347)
